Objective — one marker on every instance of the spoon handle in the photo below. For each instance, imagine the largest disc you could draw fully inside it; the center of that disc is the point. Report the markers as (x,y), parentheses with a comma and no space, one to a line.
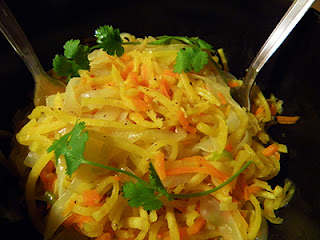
(278,35)
(282,30)
(18,40)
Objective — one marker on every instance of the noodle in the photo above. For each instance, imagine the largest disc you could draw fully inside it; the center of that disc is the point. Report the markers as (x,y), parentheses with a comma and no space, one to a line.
(137,109)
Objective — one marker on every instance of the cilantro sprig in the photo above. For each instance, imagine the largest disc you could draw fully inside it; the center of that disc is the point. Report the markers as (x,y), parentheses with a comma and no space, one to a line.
(139,193)
(75,58)
(193,57)
(76,55)
(109,40)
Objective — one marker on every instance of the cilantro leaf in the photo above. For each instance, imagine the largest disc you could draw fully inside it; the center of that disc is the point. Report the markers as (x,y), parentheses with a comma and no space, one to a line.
(156,182)
(72,146)
(190,59)
(204,45)
(75,58)
(165,39)
(71,48)
(140,195)
(109,39)
(62,66)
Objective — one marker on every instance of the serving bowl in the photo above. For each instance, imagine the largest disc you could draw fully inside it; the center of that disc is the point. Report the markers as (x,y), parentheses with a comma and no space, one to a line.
(240,27)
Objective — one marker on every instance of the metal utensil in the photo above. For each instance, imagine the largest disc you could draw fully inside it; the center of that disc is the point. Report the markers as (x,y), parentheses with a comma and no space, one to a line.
(44,84)
(279,34)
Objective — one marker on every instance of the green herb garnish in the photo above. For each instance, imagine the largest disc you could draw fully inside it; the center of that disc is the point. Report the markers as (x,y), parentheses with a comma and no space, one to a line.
(109,40)
(139,193)
(75,58)
(193,57)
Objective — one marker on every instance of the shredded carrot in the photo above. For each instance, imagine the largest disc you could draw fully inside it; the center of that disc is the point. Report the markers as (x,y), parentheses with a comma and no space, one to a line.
(132,79)
(277,155)
(76,219)
(271,149)
(208,169)
(180,205)
(91,198)
(259,110)
(233,84)
(125,57)
(196,226)
(48,176)
(195,159)
(239,191)
(253,189)
(185,123)
(183,232)
(222,98)
(104,236)
(170,73)
(147,99)
(139,103)
(144,75)
(273,109)
(287,119)
(228,147)
(117,178)
(213,171)
(165,88)
(249,190)
(227,110)
(198,207)
(159,165)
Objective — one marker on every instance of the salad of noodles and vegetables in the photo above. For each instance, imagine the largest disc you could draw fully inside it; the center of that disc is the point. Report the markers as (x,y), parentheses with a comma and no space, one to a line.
(146,142)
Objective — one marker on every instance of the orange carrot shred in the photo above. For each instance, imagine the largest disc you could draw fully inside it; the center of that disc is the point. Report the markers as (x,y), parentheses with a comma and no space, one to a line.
(228,147)
(91,198)
(222,98)
(104,236)
(76,219)
(144,75)
(273,109)
(180,205)
(159,165)
(196,226)
(213,171)
(117,178)
(170,73)
(132,79)
(271,149)
(127,70)
(139,103)
(48,176)
(185,123)
(277,155)
(233,84)
(164,88)
(259,110)
(207,168)
(183,232)
(287,119)
(125,57)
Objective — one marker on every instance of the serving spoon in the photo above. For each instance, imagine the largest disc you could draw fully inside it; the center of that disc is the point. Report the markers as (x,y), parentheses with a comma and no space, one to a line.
(44,84)
(293,15)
